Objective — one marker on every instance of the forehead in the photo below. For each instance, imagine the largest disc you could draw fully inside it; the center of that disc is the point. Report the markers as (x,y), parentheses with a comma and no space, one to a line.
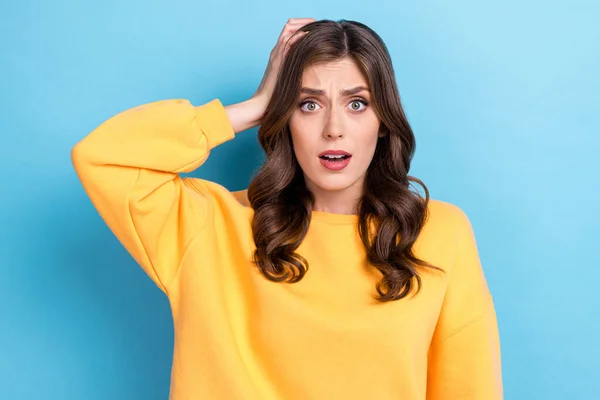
(341,72)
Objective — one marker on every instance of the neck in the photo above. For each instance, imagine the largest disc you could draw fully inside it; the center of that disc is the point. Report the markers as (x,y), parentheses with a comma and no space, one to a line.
(344,201)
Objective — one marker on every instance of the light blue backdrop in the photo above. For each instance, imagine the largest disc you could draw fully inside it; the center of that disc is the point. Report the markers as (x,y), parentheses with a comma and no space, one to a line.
(502,96)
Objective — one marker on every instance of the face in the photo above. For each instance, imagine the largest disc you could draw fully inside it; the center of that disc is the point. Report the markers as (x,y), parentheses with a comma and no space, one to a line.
(333,120)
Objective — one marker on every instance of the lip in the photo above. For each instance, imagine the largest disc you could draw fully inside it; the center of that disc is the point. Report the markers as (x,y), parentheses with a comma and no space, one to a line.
(335,153)
(335,165)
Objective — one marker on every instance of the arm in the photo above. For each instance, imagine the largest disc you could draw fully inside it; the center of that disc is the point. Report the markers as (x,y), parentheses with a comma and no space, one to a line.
(129,166)
(464,355)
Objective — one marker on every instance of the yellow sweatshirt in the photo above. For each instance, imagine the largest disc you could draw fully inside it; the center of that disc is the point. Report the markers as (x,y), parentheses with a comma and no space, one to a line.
(241,336)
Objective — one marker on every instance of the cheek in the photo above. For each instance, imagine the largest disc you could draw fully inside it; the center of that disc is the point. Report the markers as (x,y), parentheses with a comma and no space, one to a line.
(368,142)
(303,152)
(302,140)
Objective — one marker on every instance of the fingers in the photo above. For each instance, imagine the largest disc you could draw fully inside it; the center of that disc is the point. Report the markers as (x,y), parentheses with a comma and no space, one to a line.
(293,25)
(287,42)
(286,37)
(300,20)
(293,33)
(292,38)
(286,33)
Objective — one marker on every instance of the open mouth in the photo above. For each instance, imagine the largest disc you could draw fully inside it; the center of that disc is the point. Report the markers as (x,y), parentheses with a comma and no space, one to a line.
(335,158)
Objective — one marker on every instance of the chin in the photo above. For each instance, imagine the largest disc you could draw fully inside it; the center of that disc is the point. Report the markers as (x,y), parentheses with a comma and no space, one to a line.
(332,183)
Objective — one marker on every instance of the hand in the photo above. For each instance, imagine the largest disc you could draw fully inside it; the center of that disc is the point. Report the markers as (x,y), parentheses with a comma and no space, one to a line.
(285,40)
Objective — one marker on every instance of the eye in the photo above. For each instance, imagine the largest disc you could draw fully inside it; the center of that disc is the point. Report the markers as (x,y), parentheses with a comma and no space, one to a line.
(354,103)
(311,105)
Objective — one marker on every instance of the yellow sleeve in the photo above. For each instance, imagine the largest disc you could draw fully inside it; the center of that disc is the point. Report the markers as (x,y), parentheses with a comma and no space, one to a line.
(464,355)
(129,167)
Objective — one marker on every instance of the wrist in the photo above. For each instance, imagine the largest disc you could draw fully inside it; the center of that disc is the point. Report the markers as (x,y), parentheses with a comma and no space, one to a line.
(246,114)
(257,106)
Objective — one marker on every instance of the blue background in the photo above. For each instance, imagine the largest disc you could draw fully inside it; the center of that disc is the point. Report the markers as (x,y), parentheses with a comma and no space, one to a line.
(502,96)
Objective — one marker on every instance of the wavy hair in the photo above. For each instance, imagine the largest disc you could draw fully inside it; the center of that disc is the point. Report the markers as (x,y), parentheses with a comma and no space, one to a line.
(390,214)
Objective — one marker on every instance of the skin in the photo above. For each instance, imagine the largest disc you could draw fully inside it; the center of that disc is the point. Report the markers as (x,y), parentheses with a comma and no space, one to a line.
(333,121)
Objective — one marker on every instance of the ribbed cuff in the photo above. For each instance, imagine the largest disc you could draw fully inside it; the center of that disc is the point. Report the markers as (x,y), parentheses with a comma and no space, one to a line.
(214,122)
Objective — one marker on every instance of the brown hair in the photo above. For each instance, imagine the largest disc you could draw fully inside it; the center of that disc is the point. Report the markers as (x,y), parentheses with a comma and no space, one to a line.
(282,204)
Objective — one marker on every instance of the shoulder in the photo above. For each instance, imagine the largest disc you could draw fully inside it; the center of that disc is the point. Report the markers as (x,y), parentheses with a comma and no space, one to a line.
(445,213)
(446,223)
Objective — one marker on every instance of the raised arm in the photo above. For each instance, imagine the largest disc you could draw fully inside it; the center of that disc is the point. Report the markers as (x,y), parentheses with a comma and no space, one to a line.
(129,167)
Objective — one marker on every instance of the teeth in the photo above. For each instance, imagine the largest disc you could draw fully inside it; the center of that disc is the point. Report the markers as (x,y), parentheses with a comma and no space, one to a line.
(328,156)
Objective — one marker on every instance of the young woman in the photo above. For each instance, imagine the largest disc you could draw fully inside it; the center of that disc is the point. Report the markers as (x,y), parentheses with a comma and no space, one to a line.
(328,278)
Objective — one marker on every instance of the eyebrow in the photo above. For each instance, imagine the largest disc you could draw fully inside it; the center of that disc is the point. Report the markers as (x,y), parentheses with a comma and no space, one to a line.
(345,92)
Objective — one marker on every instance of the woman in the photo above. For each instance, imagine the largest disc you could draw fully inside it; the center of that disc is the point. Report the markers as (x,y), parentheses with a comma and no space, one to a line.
(394,305)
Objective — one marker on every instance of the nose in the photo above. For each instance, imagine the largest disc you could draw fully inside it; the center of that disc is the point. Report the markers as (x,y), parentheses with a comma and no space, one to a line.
(333,135)
(333,127)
